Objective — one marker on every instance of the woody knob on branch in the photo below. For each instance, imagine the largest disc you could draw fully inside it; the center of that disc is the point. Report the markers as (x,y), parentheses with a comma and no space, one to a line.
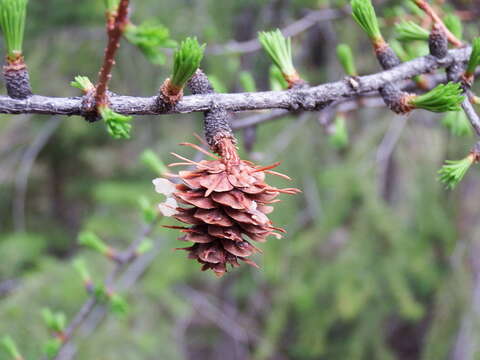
(12,22)
(224,200)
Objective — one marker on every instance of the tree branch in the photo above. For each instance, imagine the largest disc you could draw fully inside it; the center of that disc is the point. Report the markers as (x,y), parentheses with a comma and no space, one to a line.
(310,99)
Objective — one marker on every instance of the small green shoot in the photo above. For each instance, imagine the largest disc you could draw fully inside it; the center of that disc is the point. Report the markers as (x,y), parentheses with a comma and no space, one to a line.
(12,22)
(444,97)
(118,126)
(345,56)
(279,49)
(409,31)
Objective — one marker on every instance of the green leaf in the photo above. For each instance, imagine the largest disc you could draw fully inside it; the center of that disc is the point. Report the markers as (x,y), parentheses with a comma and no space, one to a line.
(247,81)
(279,49)
(186,60)
(83,83)
(118,126)
(10,348)
(474,57)
(150,37)
(454,24)
(152,161)
(444,97)
(454,170)
(409,31)
(91,240)
(12,22)
(364,14)
(345,56)
(458,124)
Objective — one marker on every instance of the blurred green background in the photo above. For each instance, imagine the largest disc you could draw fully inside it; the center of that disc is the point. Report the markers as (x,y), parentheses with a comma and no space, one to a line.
(380,262)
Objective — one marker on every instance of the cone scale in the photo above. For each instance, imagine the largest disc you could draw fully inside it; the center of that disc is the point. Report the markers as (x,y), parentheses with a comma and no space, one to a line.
(224,203)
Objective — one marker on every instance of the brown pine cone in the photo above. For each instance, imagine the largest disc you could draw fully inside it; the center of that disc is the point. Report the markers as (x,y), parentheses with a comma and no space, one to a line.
(226,201)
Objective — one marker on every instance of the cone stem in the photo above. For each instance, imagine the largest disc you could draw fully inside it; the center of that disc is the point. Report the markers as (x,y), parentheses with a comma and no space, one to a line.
(218,133)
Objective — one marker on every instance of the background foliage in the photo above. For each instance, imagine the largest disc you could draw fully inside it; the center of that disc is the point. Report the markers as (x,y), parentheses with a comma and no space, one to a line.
(377,263)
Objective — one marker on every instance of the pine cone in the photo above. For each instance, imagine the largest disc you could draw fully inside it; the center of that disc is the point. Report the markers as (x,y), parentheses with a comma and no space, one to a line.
(227,201)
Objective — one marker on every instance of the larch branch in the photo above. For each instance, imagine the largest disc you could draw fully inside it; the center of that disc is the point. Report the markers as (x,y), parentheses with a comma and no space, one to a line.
(309,99)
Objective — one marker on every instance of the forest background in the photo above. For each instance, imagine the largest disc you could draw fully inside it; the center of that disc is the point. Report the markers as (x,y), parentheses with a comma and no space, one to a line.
(379,259)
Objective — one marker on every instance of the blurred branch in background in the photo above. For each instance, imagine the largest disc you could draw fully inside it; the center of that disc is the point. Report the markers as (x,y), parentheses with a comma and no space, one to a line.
(124,267)
(23,173)
(311,19)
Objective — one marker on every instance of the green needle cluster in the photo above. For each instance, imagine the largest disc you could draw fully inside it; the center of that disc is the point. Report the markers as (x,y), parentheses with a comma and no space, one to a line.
(118,305)
(454,170)
(339,136)
(444,97)
(83,83)
(81,267)
(150,159)
(149,212)
(345,56)
(474,57)
(118,126)
(51,347)
(454,24)
(12,22)
(458,124)
(409,31)
(186,60)
(364,14)
(10,348)
(55,322)
(150,37)
(397,47)
(91,240)
(405,55)
(279,49)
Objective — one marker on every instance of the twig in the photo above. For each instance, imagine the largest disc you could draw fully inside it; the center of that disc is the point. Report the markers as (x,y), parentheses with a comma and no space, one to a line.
(471,114)
(116,23)
(26,163)
(295,28)
(425,6)
(212,312)
(310,99)
(90,304)
(385,151)
(124,282)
